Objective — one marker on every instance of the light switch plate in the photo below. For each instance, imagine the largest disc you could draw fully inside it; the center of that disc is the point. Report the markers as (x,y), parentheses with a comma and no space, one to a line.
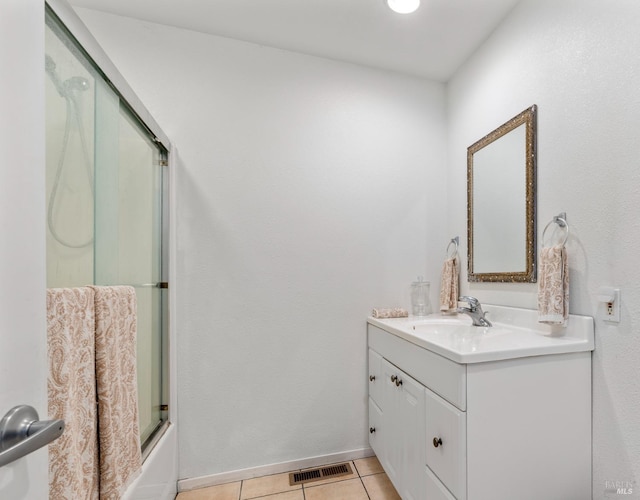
(610,311)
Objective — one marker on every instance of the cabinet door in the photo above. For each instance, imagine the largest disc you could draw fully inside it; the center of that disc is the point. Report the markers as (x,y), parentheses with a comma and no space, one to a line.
(404,400)
(446,450)
(375,376)
(389,397)
(411,440)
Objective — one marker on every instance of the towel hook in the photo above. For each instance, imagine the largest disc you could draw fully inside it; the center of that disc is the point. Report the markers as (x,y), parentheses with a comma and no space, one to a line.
(455,242)
(561,221)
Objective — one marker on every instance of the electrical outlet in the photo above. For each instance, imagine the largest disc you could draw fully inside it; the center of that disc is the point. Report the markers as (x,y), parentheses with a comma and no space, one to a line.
(612,308)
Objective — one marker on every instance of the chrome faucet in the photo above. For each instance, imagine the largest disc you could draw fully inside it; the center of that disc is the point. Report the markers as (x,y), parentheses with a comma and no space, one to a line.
(474,311)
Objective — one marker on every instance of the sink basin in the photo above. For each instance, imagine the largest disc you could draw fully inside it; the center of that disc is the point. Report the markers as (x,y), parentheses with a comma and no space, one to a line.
(439,319)
(515,333)
(457,330)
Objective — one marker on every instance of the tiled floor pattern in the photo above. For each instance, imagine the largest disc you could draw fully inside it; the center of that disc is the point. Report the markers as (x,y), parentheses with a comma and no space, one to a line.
(367,482)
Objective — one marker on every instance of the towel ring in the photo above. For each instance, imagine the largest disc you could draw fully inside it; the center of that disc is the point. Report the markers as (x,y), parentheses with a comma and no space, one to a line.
(560,220)
(455,242)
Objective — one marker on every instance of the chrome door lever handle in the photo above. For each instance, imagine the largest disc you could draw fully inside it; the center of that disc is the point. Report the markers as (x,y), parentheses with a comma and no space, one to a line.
(22,433)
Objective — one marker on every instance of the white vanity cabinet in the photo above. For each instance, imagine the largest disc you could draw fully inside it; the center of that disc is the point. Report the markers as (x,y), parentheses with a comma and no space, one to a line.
(493,430)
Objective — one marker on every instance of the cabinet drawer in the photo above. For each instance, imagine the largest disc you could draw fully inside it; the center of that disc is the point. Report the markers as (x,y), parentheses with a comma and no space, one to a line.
(435,489)
(446,442)
(375,376)
(441,375)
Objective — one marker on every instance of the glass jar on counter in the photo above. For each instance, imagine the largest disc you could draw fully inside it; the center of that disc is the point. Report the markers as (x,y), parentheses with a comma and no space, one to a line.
(420,303)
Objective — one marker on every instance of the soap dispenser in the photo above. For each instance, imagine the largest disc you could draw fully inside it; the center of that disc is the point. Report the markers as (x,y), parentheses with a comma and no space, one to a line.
(420,304)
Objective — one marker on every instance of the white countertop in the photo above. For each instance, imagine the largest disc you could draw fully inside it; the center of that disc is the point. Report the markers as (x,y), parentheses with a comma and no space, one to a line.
(515,334)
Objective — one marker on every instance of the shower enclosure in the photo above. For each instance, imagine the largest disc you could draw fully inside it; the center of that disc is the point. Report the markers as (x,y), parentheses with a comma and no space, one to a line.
(106,185)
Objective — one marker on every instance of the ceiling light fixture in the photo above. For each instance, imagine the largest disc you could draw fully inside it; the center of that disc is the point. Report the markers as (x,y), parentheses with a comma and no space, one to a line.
(403,6)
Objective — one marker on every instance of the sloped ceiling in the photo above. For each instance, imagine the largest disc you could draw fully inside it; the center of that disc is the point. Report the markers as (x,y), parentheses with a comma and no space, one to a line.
(430,43)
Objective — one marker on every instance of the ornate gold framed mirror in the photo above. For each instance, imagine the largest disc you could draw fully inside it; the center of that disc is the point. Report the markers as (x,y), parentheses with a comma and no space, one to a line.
(501,198)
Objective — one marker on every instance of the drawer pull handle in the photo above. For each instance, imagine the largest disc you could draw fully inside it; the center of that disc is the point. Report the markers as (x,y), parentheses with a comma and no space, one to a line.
(393,378)
(372,430)
(372,378)
(398,382)
(437,442)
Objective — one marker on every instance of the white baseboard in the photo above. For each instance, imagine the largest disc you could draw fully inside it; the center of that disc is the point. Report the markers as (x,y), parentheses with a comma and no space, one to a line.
(265,470)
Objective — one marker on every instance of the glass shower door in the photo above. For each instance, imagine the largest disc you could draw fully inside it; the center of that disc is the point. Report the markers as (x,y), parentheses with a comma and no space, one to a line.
(69,126)
(105,185)
(128,236)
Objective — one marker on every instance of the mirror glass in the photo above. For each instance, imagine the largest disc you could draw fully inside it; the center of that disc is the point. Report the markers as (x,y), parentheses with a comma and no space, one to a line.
(501,172)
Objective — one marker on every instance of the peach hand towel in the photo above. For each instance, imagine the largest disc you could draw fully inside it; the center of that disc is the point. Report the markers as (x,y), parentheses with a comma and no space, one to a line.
(118,427)
(71,387)
(449,285)
(553,286)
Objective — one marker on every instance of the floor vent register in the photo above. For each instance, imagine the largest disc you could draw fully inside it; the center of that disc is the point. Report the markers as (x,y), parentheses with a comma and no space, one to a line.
(318,474)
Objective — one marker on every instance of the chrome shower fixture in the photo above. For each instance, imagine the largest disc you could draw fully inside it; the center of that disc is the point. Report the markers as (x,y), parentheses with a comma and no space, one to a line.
(66,88)
(69,89)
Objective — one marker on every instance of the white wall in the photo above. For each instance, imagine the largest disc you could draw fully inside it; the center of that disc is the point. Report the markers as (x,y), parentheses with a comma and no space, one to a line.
(578,61)
(312,191)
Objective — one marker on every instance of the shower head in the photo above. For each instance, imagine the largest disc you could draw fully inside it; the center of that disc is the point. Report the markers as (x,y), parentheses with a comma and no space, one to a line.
(75,83)
(66,88)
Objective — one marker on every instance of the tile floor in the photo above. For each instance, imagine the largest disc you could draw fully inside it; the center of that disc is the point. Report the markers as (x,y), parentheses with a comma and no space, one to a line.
(367,482)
